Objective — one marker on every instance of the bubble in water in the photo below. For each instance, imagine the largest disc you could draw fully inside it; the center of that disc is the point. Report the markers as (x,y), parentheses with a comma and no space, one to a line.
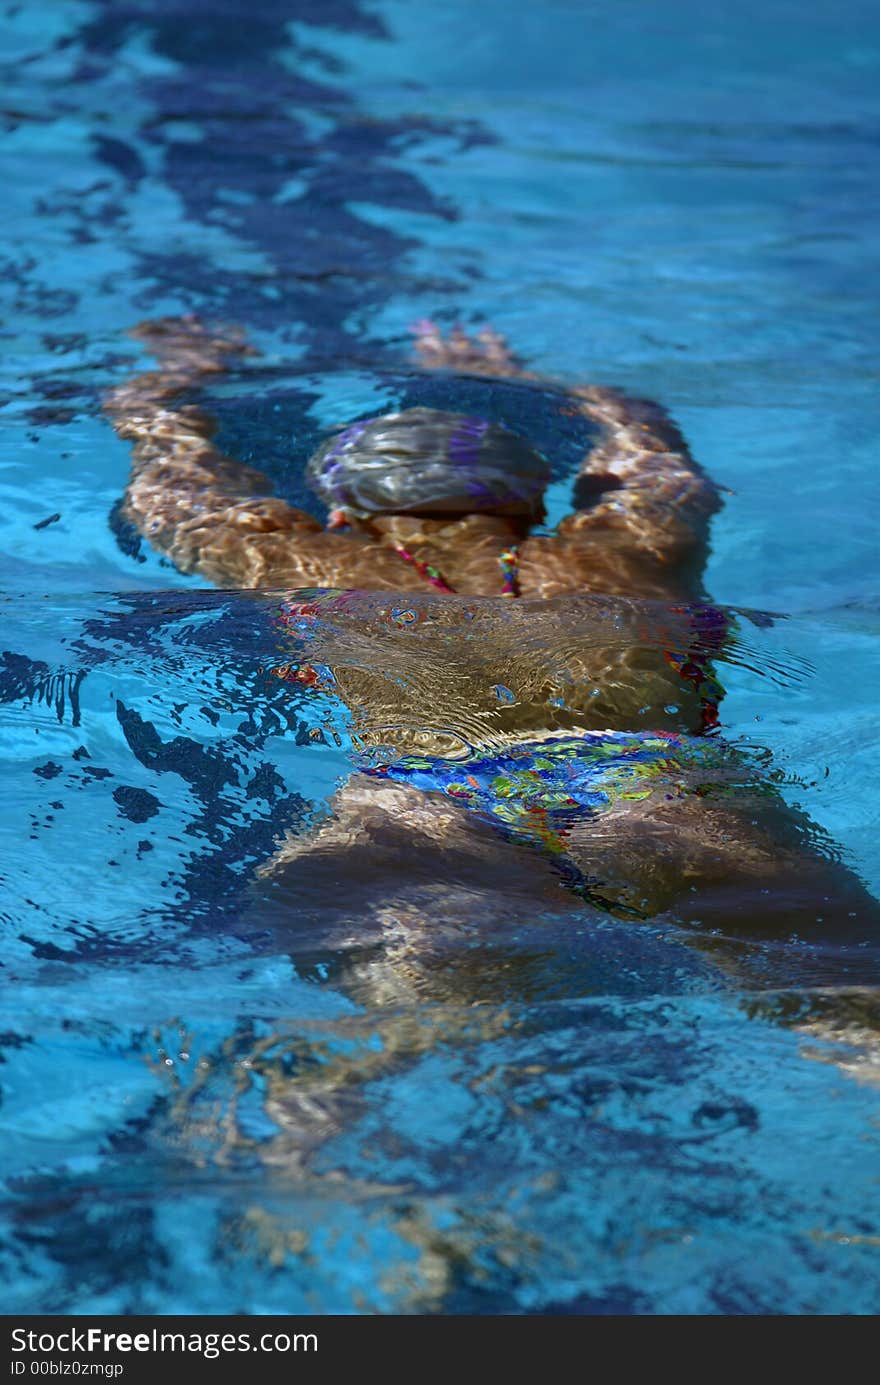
(404,616)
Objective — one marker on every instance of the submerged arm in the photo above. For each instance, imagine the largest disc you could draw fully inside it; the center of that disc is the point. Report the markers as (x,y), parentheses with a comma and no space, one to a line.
(640,482)
(638,488)
(209,513)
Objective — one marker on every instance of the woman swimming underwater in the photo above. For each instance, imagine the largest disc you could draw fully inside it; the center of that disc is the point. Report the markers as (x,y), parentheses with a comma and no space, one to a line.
(640,529)
(431,606)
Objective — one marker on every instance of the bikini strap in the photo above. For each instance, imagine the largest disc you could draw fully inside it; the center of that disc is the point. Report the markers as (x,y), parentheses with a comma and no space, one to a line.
(509,561)
(426,570)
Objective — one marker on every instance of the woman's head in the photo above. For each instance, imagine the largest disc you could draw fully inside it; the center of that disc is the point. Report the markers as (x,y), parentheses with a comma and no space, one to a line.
(429,462)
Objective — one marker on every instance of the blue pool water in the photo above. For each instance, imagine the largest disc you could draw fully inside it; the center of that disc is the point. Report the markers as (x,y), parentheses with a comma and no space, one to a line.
(213,1105)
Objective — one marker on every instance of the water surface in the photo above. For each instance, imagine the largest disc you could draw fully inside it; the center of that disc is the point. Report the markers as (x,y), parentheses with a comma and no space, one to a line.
(210,1103)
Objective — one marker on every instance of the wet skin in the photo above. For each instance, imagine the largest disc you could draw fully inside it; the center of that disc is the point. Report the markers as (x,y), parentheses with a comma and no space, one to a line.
(732,857)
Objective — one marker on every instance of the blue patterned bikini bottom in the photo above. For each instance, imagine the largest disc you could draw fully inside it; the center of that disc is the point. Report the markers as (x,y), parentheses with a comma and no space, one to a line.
(537,789)
(559,778)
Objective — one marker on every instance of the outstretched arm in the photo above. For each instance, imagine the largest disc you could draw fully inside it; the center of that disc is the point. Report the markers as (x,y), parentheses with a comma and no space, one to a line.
(638,487)
(209,513)
(640,481)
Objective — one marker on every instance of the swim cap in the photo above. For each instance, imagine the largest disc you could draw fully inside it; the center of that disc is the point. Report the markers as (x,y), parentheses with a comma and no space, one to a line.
(426,461)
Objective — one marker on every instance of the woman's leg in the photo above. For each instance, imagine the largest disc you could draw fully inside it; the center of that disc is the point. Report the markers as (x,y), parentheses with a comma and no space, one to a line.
(731,863)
